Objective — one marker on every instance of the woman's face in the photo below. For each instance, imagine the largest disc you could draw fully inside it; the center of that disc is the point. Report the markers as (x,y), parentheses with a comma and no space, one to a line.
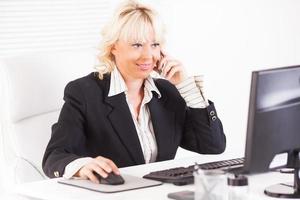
(136,60)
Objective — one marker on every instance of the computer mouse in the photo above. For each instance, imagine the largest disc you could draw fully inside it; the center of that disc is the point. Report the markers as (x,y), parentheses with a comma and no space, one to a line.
(111,179)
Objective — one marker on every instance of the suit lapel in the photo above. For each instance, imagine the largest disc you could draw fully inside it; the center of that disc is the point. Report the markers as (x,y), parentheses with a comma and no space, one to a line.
(121,120)
(163,121)
(119,115)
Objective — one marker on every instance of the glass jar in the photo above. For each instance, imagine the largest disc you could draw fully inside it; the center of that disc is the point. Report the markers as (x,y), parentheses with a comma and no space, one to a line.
(238,188)
(210,184)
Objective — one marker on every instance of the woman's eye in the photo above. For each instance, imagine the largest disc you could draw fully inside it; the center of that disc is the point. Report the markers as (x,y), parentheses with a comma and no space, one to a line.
(155,44)
(137,45)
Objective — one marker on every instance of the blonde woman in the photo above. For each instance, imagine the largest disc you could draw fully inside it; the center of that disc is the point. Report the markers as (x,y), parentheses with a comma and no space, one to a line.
(120,116)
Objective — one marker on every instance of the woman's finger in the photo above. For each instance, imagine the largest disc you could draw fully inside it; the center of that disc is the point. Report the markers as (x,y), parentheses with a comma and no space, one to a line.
(173,71)
(96,168)
(114,167)
(162,62)
(103,164)
(168,66)
(91,176)
(108,164)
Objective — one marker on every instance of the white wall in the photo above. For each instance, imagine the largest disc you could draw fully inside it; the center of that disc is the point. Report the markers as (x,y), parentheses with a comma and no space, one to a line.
(225,41)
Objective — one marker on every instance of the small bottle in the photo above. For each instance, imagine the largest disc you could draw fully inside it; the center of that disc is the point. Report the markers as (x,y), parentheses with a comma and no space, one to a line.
(237,187)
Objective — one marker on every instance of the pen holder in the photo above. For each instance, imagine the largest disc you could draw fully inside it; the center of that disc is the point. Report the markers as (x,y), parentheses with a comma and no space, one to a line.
(210,185)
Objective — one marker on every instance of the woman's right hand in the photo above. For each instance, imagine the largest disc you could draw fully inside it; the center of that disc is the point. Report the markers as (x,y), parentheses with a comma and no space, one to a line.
(100,165)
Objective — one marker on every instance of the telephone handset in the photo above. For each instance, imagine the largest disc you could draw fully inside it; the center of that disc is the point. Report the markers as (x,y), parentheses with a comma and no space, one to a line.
(158,63)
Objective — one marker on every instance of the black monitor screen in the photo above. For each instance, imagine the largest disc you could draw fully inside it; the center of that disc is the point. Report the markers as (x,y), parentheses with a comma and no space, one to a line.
(273,118)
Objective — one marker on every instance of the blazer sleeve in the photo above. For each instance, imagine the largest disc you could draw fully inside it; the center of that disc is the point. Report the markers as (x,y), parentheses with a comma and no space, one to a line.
(203,131)
(67,136)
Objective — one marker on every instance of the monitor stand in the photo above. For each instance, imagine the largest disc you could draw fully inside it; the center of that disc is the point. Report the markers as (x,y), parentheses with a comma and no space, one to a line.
(288,190)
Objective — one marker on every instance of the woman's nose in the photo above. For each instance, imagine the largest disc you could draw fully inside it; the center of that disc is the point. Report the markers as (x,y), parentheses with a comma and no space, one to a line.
(147,52)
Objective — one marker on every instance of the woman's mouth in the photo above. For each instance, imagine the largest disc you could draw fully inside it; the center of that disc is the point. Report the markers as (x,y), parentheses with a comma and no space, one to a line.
(145,66)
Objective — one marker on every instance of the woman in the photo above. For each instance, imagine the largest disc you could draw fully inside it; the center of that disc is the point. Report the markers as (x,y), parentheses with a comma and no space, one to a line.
(120,116)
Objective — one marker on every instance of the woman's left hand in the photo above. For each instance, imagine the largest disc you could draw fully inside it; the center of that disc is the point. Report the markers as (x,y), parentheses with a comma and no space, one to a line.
(171,69)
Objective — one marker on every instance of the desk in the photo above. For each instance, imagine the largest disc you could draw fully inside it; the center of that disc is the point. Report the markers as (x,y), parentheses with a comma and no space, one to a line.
(50,189)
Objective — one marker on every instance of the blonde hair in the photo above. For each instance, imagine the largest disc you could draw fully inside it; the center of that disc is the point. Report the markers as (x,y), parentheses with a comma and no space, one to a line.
(132,23)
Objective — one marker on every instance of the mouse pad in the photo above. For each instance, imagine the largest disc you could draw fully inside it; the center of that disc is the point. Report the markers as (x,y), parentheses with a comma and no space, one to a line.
(131,183)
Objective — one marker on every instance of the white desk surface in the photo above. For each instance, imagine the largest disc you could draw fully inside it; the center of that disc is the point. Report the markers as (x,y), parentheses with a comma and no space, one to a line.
(50,189)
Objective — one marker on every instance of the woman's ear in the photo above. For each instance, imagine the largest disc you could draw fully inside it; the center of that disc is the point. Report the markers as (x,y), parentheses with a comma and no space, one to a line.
(113,50)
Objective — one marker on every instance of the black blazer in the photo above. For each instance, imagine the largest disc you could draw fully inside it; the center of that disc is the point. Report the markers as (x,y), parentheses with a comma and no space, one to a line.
(92,124)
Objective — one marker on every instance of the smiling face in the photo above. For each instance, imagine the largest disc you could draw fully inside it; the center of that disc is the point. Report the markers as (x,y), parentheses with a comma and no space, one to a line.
(136,60)
(129,41)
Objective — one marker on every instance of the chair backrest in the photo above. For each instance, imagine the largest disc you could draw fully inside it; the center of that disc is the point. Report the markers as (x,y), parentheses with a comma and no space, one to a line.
(31,96)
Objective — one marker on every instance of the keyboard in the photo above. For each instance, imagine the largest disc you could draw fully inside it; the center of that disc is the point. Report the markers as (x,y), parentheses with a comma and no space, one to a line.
(184,175)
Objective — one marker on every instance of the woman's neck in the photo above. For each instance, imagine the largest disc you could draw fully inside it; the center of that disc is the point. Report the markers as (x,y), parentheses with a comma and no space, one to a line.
(135,95)
(135,87)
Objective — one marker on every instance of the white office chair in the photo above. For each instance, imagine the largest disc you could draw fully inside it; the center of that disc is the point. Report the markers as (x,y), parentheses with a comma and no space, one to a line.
(31,96)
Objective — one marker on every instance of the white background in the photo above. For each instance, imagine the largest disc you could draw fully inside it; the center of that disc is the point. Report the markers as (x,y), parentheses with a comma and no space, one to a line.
(223,40)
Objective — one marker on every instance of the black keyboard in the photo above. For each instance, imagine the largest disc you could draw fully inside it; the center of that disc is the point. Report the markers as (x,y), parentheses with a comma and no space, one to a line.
(184,175)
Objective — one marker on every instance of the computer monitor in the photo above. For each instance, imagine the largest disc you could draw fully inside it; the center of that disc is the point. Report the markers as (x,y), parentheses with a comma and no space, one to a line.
(274,125)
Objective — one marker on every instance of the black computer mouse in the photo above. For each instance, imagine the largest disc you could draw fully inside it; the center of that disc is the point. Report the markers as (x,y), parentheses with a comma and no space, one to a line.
(111,179)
